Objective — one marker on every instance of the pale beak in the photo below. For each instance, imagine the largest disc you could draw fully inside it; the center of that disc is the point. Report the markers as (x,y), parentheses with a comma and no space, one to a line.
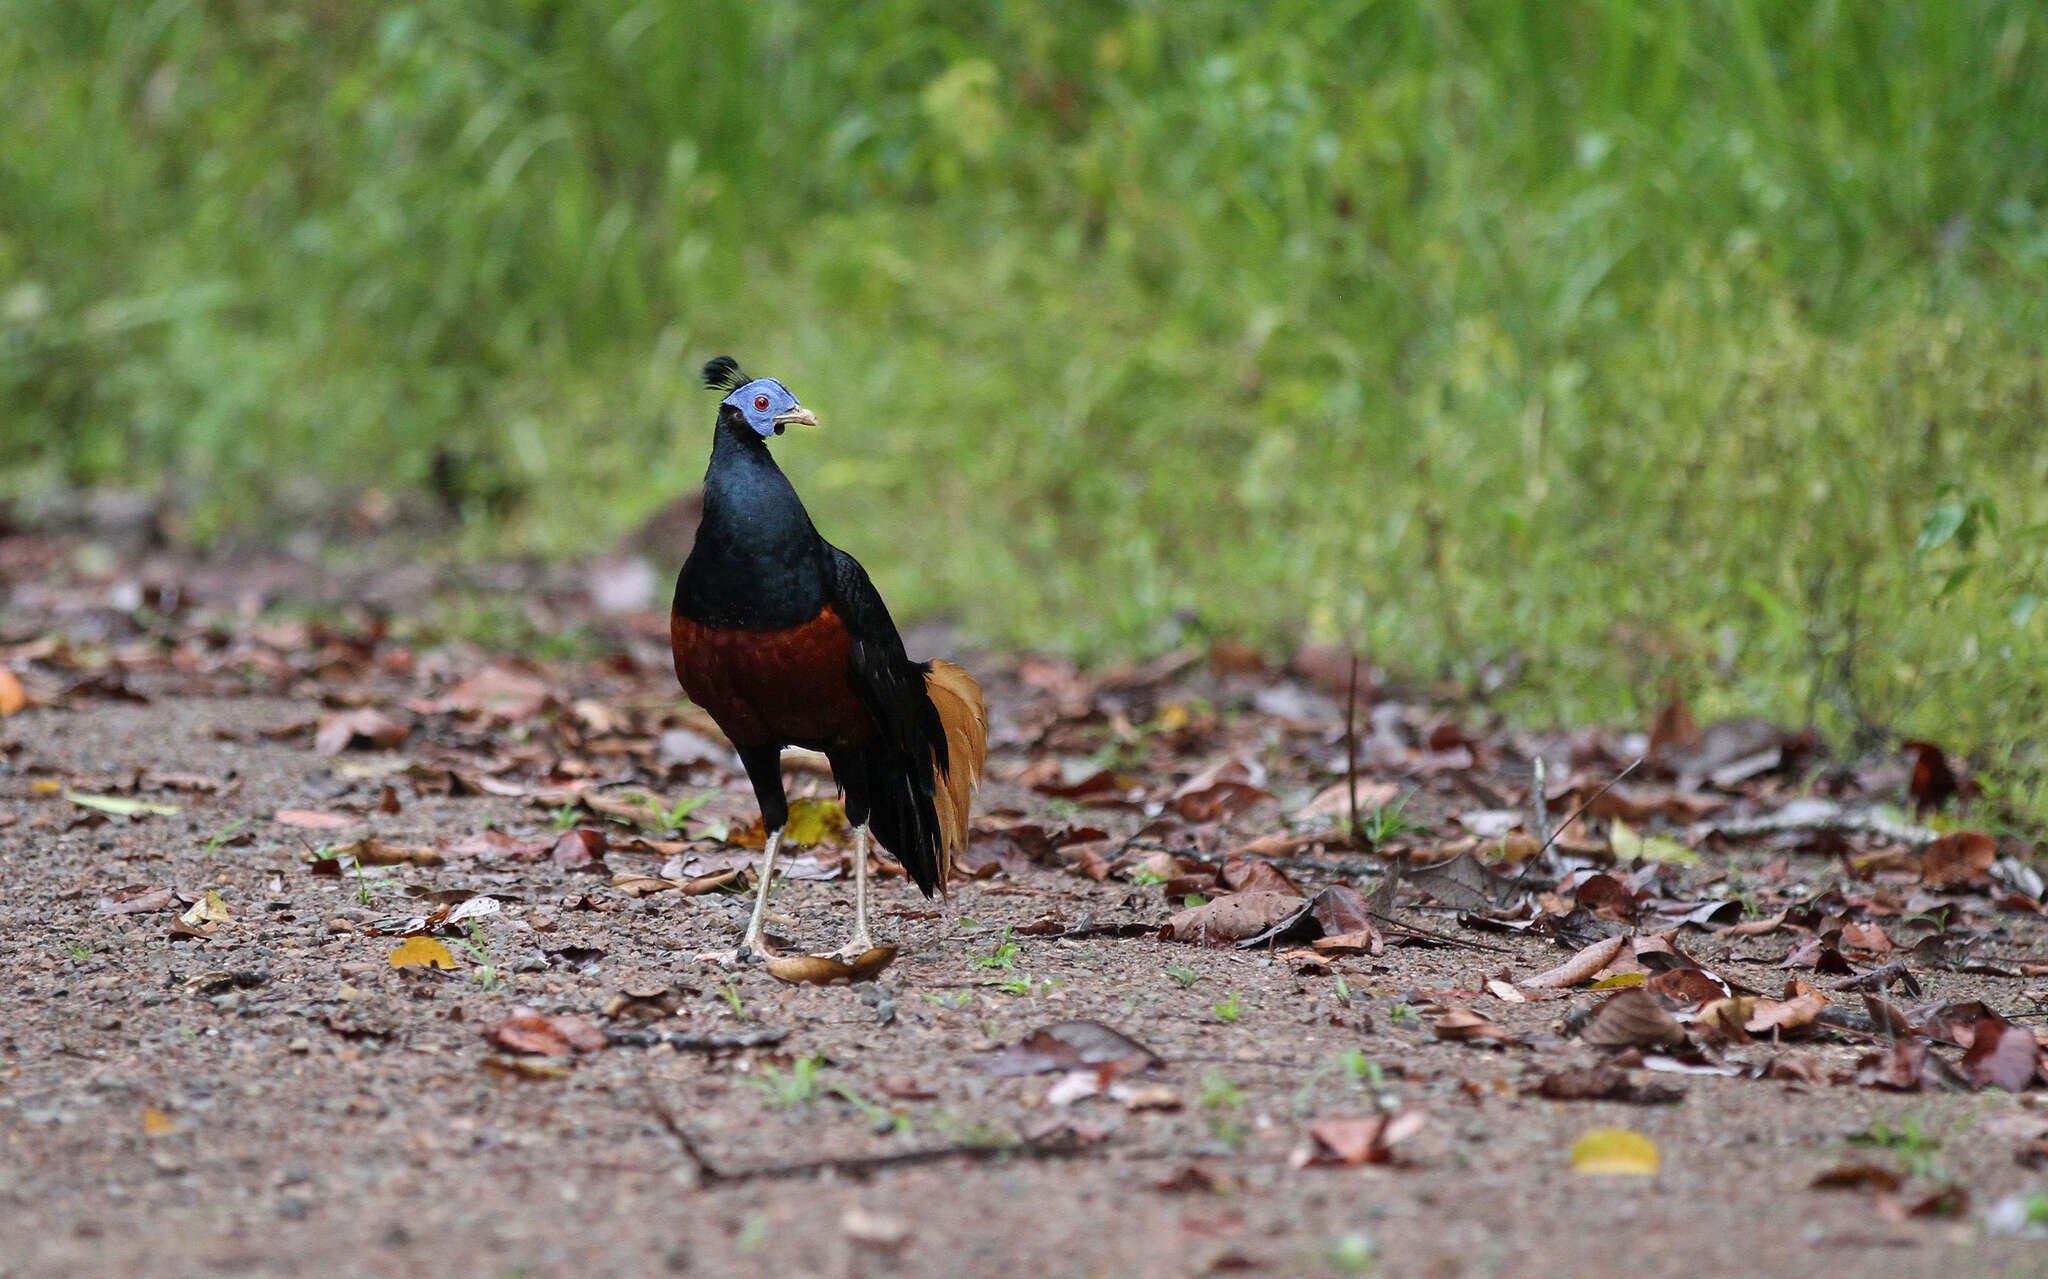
(798,416)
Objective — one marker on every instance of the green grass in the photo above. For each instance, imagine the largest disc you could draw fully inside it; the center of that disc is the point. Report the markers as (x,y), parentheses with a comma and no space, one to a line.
(1604,342)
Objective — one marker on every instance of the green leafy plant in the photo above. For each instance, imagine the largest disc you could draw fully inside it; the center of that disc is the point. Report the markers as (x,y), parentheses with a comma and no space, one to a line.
(1183,975)
(485,972)
(1223,1104)
(564,817)
(730,993)
(222,836)
(1387,823)
(78,950)
(1003,956)
(1404,1015)
(1230,1009)
(1147,878)
(794,1089)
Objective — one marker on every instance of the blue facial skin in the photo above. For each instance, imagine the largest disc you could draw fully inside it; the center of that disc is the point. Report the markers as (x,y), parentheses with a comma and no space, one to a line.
(762,401)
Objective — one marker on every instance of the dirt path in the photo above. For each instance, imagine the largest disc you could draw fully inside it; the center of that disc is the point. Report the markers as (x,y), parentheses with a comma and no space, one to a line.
(277,1098)
(209,1062)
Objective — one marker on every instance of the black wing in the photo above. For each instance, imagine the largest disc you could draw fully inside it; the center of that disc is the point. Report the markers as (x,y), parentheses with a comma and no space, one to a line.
(887,681)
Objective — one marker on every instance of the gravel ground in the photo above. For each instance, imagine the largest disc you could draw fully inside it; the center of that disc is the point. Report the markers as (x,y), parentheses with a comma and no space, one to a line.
(277,1098)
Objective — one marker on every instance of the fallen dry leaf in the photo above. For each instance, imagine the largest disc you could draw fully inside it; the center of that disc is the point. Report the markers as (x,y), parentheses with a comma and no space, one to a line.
(1960,859)
(1230,919)
(308,819)
(2001,1055)
(12,696)
(830,970)
(1069,1045)
(422,952)
(1612,1152)
(1632,1019)
(526,1030)
(365,727)
(1606,1083)
(1461,1025)
(1353,1141)
(1579,967)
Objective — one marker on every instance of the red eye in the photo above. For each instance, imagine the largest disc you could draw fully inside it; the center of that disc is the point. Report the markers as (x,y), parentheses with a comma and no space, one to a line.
(760,401)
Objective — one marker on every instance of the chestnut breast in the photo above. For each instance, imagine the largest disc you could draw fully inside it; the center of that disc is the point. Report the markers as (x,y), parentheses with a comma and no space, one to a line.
(789,687)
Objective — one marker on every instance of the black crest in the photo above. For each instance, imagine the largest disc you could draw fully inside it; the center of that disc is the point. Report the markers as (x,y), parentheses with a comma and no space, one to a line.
(723,374)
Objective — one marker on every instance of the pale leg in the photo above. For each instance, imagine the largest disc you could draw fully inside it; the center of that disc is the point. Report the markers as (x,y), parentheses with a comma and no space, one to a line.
(755,941)
(861,943)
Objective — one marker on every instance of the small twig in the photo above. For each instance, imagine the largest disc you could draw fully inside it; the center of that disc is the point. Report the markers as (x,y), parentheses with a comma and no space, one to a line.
(1539,799)
(1881,978)
(1391,922)
(1577,813)
(629,1038)
(1860,822)
(1351,747)
(852,1165)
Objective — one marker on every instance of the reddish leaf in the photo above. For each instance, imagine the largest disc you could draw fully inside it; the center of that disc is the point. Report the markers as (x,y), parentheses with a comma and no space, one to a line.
(1962,858)
(580,849)
(1933,782)
(1218,794)
(310,820)
(1070,1045)
(1605,897)
(369,728)
(528,1031)
(1359,1141)
(2001,1055)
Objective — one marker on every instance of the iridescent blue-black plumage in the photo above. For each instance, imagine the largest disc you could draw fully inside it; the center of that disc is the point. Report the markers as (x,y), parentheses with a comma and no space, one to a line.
(784,640)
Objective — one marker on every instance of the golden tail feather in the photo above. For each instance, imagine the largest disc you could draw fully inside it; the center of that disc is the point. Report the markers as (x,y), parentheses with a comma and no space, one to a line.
(957,699)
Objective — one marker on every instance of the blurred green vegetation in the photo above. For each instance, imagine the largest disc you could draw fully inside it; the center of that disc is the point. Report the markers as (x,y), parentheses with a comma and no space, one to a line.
(1697,341)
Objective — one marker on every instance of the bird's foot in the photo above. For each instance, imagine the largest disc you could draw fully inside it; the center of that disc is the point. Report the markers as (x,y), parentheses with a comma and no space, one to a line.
(752,950)
(860,945)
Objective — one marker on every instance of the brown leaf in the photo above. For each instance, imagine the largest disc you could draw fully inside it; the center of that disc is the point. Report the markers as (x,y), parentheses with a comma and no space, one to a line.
(366,727)
(308,819)
(1230,919)
(1250,874)
(1334,801)
(1461,1025)
(1958,859)
(1350,1142)
(1579,967)
(830,970)
(1605,897)
(560,1035)
(1069,1045)
(1784,1015)
(1858,1177)
(1687,987)
(1933,782)
(1219,793)
(1632,1019)
(139,901)
(2001,1055)
(582,848)
(1606,1083)
(1674,728)
(375,852)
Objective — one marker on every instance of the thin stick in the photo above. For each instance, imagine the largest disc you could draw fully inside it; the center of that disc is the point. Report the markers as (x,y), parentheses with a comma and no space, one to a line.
(1351,748)
(1540,800)
(627,1038)
(1577,813)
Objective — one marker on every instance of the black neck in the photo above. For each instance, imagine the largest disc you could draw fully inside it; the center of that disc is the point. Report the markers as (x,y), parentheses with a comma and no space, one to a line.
(758,562)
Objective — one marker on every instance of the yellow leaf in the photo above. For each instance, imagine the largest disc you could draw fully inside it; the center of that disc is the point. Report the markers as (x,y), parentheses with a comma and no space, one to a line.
(1628,846)
(12,696)
(1609,1152)
(155,1123)
(422,952)
(1618,981)
(813,821)
(209,909)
